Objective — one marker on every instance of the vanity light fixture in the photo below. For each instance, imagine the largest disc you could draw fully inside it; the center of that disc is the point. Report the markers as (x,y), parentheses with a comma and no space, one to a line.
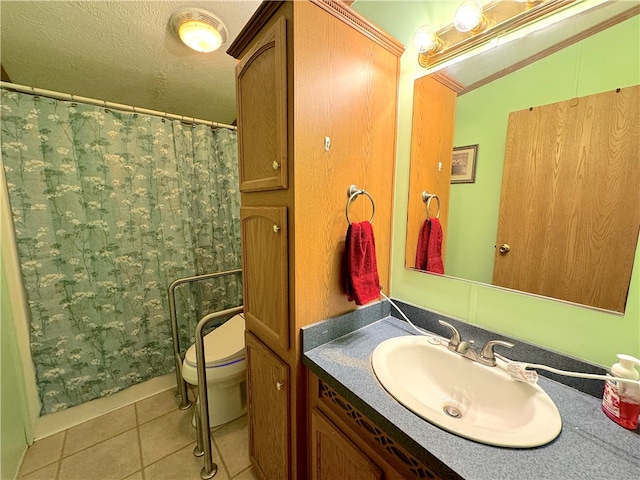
(475,24)
(198,29)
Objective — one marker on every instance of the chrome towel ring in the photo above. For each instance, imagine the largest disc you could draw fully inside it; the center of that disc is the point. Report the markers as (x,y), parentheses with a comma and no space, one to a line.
(352,193)
(426,198)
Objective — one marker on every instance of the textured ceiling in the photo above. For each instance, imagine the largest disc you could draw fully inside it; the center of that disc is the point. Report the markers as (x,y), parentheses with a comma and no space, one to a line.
(122,51)
(125,52)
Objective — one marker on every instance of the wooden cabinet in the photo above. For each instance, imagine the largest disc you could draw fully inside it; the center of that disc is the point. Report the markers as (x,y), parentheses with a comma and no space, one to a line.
(346,444)
(265,273)
(261,83)
(334,456)
(268,405)
(317,93)
(434,107)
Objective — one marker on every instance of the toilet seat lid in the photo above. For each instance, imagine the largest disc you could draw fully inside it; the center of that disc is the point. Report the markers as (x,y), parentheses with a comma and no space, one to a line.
(222,345)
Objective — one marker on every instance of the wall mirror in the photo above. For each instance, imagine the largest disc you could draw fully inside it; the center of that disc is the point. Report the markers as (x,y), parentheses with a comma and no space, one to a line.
(603,60)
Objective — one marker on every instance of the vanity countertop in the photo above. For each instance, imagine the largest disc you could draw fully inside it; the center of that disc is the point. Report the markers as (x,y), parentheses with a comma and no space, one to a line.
(590,445)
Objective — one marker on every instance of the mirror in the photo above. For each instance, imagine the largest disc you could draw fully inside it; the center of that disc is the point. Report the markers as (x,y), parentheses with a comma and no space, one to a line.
(600,62)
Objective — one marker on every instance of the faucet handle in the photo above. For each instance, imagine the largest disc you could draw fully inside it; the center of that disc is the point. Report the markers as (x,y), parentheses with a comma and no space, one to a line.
(487,351)
(455,339)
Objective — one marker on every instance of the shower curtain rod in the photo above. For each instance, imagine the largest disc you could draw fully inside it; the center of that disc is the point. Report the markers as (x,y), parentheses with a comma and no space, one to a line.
(112,105)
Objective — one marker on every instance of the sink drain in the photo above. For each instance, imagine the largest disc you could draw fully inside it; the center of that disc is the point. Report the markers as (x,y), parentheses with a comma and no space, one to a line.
(452,411)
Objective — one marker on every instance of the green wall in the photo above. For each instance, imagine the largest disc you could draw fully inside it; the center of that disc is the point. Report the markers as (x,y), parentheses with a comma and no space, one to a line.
(13,417)
(577,331)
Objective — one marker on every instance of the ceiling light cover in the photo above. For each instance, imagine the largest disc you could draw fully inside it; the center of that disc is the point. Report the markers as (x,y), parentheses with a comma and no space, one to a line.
(198,29)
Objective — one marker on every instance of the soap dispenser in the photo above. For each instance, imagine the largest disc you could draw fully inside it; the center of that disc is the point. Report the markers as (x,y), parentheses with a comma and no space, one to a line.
(621,400)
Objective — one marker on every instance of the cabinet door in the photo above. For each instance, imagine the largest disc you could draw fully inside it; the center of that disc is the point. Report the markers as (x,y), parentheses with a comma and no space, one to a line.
(261,86)
(334,456)
(268,406)
(265,273)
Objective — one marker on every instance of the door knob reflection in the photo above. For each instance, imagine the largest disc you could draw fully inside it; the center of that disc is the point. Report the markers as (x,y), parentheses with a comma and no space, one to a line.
(504,248)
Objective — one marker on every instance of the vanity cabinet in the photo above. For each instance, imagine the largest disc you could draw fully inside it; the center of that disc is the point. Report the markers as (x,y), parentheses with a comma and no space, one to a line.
(340,430)
(334,456)
(317,89)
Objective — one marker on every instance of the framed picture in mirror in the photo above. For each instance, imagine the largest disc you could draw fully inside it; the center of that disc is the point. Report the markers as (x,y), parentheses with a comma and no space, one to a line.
(463,165)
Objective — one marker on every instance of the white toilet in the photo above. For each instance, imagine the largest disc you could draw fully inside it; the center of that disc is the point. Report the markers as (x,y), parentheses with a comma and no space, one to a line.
(225,363)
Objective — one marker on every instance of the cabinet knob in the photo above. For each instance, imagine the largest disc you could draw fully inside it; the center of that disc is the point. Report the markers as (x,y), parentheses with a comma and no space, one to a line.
(504,248)
(275,165)
(276,228)
(279,385)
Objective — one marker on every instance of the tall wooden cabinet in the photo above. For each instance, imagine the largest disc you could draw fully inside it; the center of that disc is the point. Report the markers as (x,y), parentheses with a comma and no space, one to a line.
(434,108)
(317,107)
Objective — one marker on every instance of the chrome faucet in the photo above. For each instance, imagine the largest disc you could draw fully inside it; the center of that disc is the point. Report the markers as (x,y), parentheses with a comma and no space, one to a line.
(485,356)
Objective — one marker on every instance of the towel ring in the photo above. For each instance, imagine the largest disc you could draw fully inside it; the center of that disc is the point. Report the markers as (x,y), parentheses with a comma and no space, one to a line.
(427,197)
(352,193)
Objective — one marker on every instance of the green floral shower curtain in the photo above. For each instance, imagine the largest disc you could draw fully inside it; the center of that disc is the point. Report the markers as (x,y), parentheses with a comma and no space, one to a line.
(109,208)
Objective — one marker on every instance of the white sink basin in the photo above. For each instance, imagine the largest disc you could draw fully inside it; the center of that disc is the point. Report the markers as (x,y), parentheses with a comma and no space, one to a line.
(463,397)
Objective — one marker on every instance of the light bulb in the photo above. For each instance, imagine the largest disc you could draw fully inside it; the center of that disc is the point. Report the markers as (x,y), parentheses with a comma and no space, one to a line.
(200,36)
(426,39)
(469,17)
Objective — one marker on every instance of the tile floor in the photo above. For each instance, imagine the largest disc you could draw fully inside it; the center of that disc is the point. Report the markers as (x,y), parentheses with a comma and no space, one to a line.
(150,440)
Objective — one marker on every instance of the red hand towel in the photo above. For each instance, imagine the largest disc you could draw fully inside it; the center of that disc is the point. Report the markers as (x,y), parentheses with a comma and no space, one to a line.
(434,249)
(423,245)
(363,284)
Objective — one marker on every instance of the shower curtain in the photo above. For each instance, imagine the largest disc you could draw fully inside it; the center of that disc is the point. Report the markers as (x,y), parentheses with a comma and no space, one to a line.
(108,209)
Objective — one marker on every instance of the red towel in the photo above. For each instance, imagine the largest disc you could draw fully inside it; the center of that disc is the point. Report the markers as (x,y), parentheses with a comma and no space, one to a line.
(363,283)
(434,250)
(423,245)
(429,249)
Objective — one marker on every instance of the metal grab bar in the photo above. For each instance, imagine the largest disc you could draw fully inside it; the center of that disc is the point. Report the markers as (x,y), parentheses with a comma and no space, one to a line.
(182,385)
(202,423)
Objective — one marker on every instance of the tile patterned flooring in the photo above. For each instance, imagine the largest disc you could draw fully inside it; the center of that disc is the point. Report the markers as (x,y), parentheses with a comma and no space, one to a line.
(149,440)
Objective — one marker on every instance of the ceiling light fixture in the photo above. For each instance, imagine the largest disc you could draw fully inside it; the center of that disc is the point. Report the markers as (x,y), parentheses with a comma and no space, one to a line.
(476,24)
(198,29)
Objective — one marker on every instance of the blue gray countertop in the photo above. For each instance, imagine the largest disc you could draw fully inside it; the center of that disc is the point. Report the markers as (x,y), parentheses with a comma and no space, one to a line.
(590,445)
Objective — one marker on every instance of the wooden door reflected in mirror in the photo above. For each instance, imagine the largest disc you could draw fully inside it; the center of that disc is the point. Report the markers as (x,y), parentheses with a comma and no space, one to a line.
(570,202)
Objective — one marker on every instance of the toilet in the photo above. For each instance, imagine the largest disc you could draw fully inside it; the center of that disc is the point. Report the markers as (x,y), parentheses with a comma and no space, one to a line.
(225,363)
